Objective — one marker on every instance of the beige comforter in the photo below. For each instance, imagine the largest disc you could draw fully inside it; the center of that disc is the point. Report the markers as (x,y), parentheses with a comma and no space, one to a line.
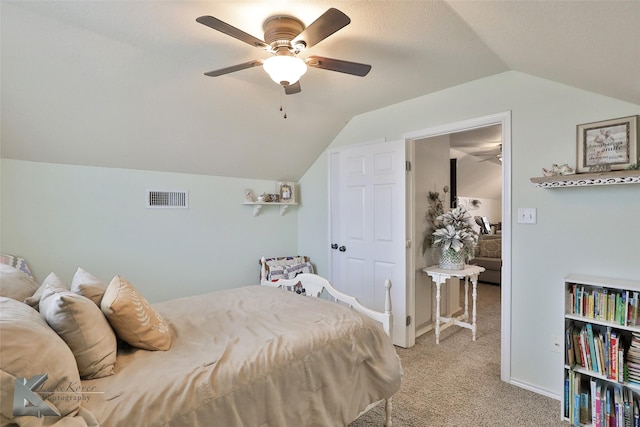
(254,356)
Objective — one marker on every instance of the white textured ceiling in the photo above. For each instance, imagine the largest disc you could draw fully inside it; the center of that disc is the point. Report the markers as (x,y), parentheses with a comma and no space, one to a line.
(121,84)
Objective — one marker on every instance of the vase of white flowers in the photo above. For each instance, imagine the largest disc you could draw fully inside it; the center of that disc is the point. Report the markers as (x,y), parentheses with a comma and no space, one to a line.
(455,237)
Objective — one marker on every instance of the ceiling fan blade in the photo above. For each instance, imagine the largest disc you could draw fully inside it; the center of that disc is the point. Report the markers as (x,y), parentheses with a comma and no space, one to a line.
(328,23)
(292,89)
(232,31)
(347,67)
(233,68)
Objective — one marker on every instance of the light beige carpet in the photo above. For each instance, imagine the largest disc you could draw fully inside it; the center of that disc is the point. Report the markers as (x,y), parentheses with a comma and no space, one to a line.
(457,383)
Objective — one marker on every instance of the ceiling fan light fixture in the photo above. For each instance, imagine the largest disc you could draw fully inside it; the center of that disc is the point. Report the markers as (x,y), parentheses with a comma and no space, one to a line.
(284,70)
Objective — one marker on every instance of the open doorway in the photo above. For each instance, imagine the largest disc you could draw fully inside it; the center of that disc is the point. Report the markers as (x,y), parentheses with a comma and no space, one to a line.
(474,156)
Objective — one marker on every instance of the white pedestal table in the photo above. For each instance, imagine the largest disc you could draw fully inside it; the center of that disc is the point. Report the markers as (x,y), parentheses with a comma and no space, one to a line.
(440,276)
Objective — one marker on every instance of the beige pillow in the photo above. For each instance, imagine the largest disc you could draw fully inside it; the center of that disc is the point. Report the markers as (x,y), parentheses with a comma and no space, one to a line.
(81,324)
(133,319)
(15,284)
(29,348)
(87,285)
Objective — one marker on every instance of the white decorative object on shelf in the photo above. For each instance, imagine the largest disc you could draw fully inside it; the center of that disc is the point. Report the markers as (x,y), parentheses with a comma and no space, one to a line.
(558,170)
(589,179)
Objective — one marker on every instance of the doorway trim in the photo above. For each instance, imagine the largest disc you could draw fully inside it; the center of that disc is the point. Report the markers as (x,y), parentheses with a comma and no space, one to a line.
(503,119)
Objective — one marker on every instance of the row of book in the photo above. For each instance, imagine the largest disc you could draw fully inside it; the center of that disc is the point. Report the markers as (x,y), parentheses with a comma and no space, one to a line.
(601,350)
(633,359)
(610,305)
(598,403)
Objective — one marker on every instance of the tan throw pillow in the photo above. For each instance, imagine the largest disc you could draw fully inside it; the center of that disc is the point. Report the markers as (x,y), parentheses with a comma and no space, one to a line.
(133,319)
(15,284)
(81,324)
(87,285)
(29,348)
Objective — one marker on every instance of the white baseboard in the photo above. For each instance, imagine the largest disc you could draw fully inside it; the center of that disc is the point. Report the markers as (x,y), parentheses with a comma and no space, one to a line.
(535,389)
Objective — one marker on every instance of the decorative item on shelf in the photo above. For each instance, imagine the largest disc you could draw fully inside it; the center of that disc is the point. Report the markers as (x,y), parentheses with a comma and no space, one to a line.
(286,191)
(556,170)
(611,144)
(261,198)
(274,198)
(451,233)
(600,168)
(634,166)
(248,196)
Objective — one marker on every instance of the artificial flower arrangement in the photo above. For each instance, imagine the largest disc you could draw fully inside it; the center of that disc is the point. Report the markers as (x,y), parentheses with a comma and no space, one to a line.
(452,232)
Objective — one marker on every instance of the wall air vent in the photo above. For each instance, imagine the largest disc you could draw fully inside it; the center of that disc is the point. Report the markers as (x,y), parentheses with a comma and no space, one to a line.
(159,199)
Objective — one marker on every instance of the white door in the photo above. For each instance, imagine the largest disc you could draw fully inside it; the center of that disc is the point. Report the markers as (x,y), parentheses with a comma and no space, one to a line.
(368,215)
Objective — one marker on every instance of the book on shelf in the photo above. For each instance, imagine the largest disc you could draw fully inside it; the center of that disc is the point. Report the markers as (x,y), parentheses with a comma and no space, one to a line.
(592,348)
(568,345)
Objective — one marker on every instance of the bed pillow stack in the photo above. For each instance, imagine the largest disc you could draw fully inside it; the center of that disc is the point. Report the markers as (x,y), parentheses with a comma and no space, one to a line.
(80,323)
(72,338)
(84,315)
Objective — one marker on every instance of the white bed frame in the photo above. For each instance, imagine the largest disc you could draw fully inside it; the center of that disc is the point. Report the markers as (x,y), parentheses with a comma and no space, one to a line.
(315,285)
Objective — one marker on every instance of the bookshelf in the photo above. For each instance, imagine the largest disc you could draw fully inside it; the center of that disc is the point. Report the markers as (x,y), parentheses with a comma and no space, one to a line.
(601,352)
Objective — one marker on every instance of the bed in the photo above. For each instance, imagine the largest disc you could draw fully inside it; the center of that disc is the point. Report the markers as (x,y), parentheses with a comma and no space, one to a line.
(251,356)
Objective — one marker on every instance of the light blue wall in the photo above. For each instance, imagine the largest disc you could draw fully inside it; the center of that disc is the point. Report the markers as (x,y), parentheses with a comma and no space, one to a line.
(60,217)
(580,230)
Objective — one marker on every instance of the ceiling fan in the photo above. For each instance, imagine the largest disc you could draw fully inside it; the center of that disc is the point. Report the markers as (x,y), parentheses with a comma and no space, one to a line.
(491,152)
(493,155)
(285,37)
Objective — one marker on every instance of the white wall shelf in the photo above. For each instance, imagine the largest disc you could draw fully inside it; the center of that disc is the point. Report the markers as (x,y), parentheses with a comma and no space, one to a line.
(258,205)
(588,179)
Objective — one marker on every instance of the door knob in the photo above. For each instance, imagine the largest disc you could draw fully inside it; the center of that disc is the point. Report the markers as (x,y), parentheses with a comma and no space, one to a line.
(334,246)
(342,248)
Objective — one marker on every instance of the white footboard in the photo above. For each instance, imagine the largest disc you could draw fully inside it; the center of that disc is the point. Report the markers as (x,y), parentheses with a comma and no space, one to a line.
(314,285)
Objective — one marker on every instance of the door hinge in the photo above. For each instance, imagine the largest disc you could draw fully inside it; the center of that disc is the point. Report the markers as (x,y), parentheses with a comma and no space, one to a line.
(408,320)
(408,165)
(408,244)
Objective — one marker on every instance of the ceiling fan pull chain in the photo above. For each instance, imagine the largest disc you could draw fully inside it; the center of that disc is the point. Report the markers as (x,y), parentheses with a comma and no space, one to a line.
(283,106)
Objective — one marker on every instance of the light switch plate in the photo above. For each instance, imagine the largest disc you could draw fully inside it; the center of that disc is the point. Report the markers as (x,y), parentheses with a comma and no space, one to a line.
(527,215)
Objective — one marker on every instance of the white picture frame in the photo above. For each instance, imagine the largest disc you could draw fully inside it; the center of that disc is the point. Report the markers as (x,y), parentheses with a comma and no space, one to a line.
(287,192)
(609,144)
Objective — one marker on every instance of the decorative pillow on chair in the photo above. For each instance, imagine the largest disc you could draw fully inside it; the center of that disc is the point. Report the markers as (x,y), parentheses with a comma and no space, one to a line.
(133,319)
(15,284)
(87,285)
(81,324)
(29,348)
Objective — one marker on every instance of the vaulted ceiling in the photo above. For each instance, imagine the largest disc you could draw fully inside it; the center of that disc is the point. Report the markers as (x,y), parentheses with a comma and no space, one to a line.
(121,83)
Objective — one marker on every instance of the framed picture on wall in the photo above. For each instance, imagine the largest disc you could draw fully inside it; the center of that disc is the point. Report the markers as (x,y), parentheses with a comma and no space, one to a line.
(287,192)
(607,145)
